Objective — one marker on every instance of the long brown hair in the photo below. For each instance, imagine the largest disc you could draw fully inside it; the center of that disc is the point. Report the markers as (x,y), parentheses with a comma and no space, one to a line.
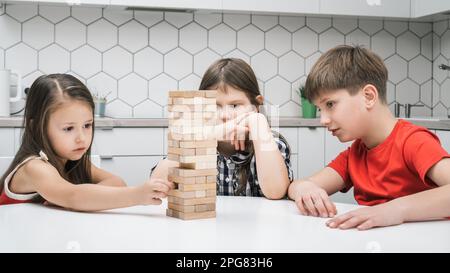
(238,74)
(46,94)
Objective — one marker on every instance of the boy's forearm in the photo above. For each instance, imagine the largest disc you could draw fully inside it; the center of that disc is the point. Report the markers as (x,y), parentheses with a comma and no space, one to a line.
(92,197)
(425,205)
(272,172)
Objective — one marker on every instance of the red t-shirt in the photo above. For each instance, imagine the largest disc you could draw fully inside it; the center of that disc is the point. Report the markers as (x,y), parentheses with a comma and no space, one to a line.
(397,167)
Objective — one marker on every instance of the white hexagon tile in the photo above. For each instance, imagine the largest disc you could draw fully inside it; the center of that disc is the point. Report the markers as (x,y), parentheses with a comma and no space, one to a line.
(70,34)
(138,56)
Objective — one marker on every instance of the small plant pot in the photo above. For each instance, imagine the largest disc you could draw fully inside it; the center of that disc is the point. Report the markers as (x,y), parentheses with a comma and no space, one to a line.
(309,110)
(100,106)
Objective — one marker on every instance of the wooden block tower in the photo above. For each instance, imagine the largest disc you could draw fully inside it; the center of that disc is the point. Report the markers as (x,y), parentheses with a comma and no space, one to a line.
(191,142)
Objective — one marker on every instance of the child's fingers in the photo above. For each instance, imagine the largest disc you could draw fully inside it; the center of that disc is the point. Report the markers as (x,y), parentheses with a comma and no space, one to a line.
(159,194)
(368,224)
(318,203)
(156,201)
(236,145)
(331,208)
(242,145)
(352,222)
(300,206)
(336,221)
(241,117)
(170,184)
(161,187)
(309,204)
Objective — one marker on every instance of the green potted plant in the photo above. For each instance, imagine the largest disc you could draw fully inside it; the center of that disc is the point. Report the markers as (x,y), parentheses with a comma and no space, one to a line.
(309,110)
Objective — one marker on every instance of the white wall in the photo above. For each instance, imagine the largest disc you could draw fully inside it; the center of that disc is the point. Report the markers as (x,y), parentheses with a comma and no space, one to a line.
(139,56)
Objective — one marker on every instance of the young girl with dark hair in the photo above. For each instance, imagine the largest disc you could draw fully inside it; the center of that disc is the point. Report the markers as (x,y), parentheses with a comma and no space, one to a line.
(53,163)
(252,159)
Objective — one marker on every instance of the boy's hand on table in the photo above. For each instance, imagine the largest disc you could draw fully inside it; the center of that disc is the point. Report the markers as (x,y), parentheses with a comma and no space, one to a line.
(366,218)
(314,201)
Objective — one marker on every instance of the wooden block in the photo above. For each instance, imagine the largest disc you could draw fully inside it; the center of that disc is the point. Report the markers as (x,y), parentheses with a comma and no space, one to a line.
(175,115)
(193,93)
(192,115)
(211,94)
(188,194)
(192,208)
(194,100)
(190,215)
(198,144)
(173,143)
(181,151)
(198,165)
(182,180)
(187,129)
(187,137)
(184,122)
(206,151)
(183,108)
(211,193)
(181,208)
(173,157)
(187,94)
(198,158)
(190,201)
(169,101)
(200,179)
(205,207)
(192,173)
(197,187)
(210,179)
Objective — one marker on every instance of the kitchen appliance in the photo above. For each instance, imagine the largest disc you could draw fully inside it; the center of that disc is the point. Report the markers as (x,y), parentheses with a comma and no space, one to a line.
(6,83)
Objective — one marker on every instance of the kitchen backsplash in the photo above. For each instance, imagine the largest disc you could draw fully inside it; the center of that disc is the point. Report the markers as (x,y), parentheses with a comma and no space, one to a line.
(138,55)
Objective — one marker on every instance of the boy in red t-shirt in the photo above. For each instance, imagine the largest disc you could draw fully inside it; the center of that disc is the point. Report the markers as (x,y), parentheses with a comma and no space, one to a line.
(397,168)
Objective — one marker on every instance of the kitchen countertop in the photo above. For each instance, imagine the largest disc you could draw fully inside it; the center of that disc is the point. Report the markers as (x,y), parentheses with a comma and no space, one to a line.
(243,224)
(108,123)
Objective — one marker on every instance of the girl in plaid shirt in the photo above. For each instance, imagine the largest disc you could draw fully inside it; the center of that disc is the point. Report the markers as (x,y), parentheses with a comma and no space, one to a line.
(252,159)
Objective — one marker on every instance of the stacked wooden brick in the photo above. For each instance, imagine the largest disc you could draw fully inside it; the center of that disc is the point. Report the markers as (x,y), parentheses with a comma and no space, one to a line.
(191,142)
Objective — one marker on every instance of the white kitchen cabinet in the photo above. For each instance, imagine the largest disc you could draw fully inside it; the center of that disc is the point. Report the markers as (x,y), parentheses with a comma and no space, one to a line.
(311,150)
(381,8)
(291,136)
(4,163)
(6,141)
(133,169)
(18,132)
(444,137)
(128,141)
(171,4)
(421,8)
(65,2)
(270,6)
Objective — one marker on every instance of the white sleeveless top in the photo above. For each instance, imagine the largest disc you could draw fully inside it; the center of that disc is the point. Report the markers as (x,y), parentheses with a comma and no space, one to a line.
(17,196)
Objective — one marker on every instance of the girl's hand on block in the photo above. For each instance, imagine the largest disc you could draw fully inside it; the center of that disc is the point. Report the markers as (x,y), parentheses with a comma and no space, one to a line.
(153,190)
(314,201)
(366,218)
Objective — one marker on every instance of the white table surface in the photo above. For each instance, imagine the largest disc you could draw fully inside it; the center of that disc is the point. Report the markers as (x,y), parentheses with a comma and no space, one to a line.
(243,224)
